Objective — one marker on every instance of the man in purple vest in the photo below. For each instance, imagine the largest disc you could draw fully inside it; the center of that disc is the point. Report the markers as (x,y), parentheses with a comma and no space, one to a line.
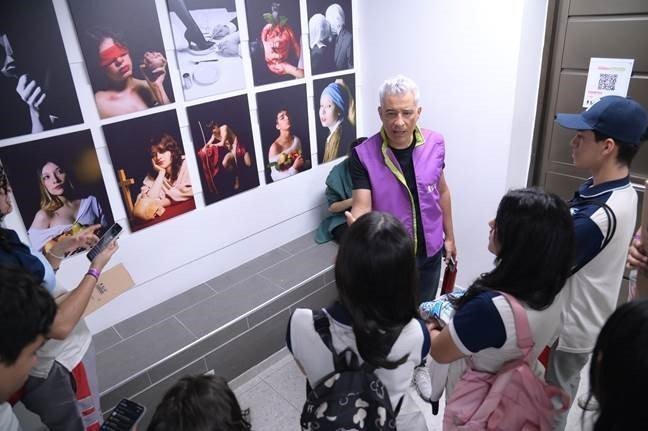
(400,171)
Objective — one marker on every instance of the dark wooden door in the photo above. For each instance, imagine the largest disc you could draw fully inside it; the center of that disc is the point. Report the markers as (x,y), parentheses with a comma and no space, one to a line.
(578,30)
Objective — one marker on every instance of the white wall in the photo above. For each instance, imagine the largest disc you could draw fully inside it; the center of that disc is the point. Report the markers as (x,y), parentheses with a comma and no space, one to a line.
(173,256)
(477,64)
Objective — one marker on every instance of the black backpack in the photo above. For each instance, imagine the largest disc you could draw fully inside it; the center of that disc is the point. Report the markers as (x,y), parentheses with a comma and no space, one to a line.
(351,397)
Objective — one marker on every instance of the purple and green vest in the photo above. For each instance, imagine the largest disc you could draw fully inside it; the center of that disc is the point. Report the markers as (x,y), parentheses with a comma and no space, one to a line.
(389,191)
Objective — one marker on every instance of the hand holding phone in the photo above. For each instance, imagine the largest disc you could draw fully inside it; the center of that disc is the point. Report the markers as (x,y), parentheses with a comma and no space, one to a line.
(124,417)
(110,235)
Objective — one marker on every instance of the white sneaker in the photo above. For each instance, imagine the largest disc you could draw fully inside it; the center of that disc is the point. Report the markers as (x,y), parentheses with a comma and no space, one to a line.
(422,382)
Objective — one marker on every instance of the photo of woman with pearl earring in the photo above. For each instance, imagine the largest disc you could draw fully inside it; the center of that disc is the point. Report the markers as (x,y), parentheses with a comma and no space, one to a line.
(336,115)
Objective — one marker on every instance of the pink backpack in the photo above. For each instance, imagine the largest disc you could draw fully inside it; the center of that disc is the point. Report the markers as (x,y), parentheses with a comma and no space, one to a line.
(512,399)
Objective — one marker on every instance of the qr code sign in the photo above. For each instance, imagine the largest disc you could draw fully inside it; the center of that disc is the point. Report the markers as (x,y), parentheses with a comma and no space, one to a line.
(607,81)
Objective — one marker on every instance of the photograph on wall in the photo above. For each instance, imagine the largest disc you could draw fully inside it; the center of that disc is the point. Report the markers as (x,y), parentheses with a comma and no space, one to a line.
(275,46)
(330,35)
(283,120)
(124,54)
(335,111)
(207,45)
(151,169)
(58,187)
(222,137)
(36,87)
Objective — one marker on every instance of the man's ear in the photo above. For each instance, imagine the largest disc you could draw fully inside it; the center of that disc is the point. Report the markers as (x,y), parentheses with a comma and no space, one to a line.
(609,146)
(380,111)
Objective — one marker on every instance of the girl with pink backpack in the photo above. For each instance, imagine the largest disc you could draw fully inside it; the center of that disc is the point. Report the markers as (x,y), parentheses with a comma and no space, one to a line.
(506,317)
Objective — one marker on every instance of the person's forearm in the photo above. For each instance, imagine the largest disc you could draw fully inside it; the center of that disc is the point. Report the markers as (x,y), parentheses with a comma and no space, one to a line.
(159,93)
(156,188)
(637,256)
(54,258)
(339,206)
(359,210)
(71,309)
(37,125)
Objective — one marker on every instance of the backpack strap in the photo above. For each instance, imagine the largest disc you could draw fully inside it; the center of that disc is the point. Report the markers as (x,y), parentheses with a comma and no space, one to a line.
(522,330)
(323,328)
(347,358)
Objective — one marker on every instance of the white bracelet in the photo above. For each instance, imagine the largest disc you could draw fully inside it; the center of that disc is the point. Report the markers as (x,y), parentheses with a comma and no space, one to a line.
(54,255)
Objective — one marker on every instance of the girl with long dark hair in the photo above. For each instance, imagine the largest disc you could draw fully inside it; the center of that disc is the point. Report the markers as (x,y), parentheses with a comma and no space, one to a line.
(619,370)
(168,179)
(376,314)
(532,238)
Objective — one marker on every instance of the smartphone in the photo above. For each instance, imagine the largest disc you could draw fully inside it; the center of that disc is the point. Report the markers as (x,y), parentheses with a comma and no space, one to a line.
(110,234)
(124,417)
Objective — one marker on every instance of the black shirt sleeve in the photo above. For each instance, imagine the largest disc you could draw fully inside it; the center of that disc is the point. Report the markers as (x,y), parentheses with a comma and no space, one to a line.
(359,175)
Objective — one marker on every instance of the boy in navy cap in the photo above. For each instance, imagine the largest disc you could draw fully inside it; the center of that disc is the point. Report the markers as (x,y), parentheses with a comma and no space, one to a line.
(604,211)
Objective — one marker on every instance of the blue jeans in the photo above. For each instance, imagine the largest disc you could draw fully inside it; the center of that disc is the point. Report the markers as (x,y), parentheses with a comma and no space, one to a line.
(429,269)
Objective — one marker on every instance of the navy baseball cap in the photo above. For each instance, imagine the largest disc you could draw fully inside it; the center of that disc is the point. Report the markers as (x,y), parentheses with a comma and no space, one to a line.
(620,118)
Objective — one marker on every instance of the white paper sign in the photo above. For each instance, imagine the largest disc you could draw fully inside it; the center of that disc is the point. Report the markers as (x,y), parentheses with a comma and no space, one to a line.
(607,77)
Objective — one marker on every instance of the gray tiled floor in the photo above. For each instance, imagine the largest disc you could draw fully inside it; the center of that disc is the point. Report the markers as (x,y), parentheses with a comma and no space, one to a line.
(275,395)
(274,391)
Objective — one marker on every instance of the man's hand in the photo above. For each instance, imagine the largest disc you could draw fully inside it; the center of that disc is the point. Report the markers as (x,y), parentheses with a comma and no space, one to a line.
(31,93)
(450,249)
(220,31)
(637,255)
(102,258)
(349,217)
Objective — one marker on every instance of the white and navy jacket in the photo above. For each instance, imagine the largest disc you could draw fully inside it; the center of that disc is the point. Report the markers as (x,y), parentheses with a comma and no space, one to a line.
(593,291)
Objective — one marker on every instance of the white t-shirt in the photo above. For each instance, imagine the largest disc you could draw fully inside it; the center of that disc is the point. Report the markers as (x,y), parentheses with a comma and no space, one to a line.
(68,352)
(593,291)
(544,325)
(8,420)
(317,361)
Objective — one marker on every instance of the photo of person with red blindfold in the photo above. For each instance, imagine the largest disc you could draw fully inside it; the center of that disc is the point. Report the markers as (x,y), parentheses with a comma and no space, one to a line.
(125,93)
(123,50)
